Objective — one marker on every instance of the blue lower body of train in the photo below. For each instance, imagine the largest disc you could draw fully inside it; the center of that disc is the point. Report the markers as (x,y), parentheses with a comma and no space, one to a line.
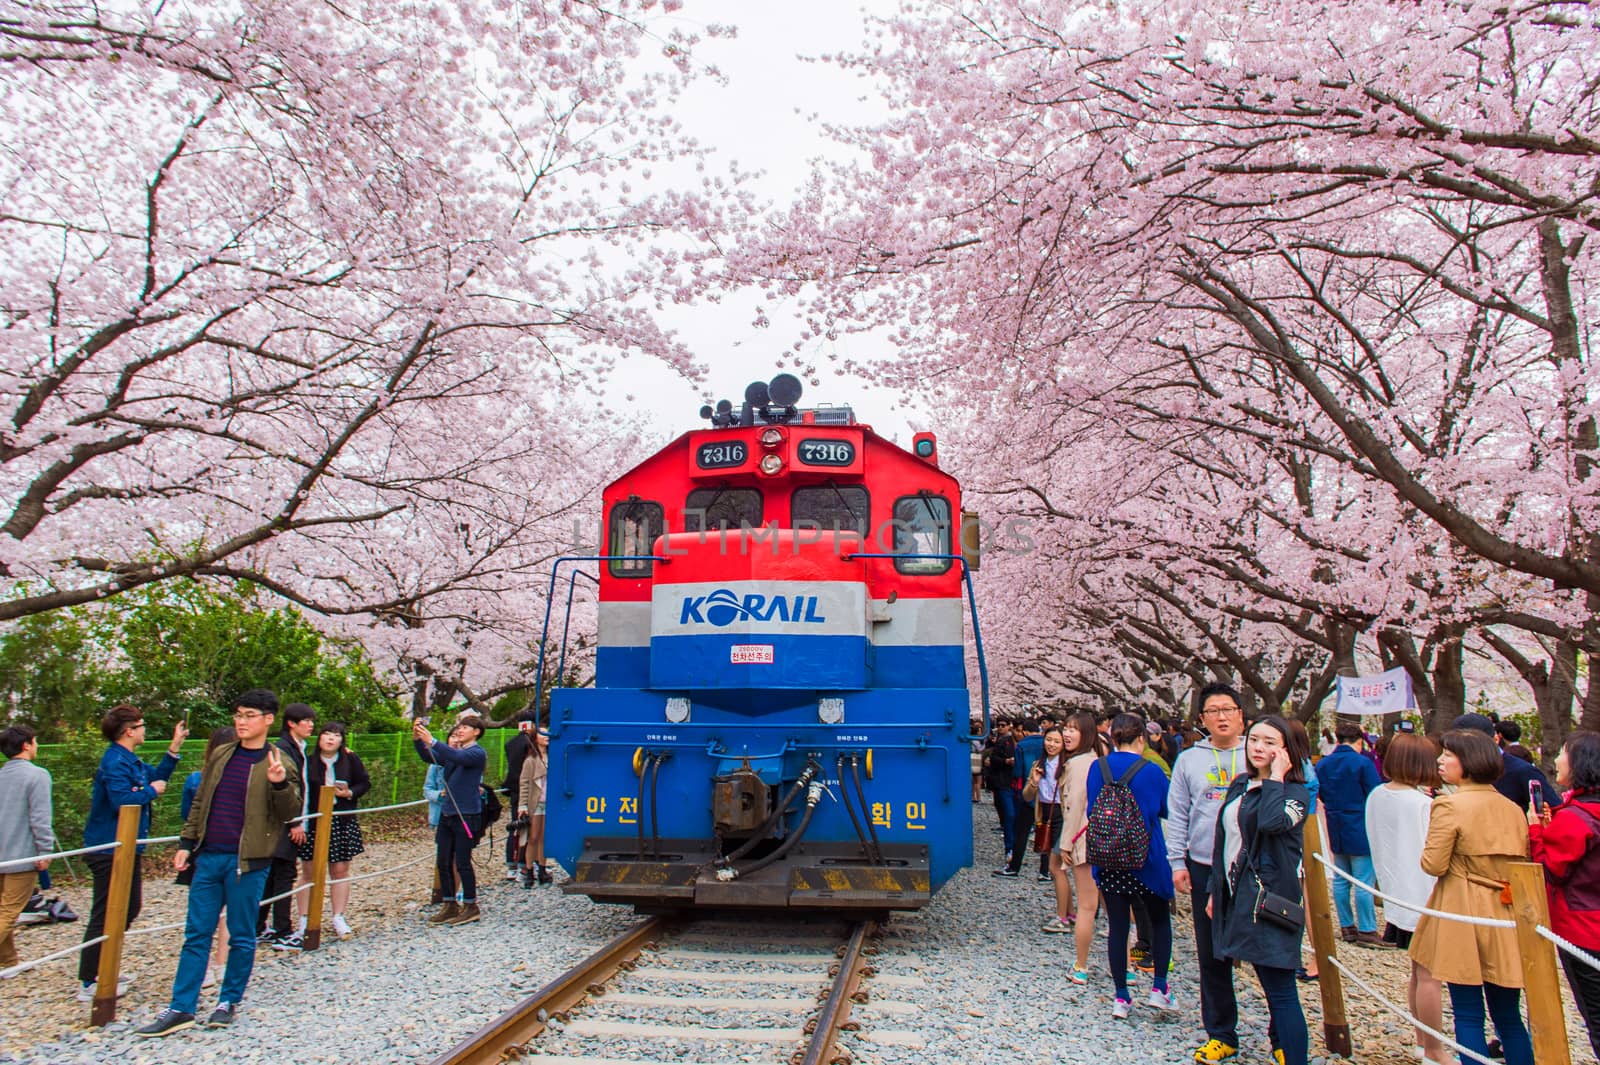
(747,798)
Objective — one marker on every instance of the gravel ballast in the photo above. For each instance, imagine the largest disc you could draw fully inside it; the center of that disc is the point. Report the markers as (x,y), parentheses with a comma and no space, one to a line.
(971,978)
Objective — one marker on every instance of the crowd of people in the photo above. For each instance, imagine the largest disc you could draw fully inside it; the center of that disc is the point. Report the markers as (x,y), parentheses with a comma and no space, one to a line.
(247,831)
(1124,815)
(249,836)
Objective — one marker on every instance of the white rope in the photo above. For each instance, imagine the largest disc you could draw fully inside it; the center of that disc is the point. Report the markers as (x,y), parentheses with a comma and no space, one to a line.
(22,967)
(1440,1036)
(1571,948)
(380,809)
(130,933)
(113,845)
(1486,922)
(382,872)
(158,839)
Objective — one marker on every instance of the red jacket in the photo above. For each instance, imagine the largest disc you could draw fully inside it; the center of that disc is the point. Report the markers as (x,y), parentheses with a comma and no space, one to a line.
(1569,849)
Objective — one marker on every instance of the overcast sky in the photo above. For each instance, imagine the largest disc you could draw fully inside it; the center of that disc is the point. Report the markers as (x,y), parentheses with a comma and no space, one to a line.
(761,117)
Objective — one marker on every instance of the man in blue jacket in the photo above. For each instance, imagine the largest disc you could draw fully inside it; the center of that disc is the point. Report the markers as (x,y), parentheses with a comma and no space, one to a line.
(122,780)
(1344,780)
(463,761)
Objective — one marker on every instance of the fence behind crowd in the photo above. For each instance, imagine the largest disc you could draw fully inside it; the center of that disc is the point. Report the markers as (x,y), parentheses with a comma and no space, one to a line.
(126,852)
(1531,918)
(392,764)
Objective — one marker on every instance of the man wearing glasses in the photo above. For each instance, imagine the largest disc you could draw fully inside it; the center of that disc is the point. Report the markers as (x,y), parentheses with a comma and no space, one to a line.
(248,792)
(1200,779)
(121,780)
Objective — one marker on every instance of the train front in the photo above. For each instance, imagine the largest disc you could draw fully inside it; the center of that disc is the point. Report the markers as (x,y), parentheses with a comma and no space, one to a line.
(780,716)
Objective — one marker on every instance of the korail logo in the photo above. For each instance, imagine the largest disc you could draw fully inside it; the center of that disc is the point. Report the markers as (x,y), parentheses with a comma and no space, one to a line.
(723,607)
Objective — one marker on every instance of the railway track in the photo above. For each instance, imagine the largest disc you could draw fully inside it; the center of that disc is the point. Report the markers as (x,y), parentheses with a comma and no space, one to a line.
(683,997)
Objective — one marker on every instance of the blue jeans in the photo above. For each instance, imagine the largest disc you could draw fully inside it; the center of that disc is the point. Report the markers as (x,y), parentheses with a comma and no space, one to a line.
(1005,804)
(1288,1028)
(1466,1002)
(1366,915)
(217,882)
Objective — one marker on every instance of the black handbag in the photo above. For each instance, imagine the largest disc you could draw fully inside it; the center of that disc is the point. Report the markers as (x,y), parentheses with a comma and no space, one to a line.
(1271,907)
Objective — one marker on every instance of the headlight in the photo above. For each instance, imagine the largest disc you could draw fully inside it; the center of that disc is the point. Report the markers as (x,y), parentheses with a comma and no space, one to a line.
(771,438)
(771,464)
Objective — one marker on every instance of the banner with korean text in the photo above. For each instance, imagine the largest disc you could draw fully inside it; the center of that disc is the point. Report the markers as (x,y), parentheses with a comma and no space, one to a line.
(1385,693)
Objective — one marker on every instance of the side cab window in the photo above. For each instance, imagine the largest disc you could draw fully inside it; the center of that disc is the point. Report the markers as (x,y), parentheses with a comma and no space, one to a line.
(635,524)
(921,527)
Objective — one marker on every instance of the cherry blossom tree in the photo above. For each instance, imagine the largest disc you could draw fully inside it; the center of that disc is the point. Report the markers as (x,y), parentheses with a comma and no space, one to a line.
(321,295)
(1347,252)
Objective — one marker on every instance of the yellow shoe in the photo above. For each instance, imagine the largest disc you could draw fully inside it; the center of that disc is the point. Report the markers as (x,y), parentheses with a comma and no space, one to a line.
(1215,1051)
(1277,1057)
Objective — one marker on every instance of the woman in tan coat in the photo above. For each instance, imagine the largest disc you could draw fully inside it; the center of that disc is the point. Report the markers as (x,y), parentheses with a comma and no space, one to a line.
(1472,837)
(1083,745)
(530,801)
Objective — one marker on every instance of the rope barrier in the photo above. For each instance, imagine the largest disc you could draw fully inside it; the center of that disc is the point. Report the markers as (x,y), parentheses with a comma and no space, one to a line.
(381,872)
(158,839)
(130,933)
(391,806)
(22,967)
(113,845)
(1445,915)
(1440,1036)
(1571,948)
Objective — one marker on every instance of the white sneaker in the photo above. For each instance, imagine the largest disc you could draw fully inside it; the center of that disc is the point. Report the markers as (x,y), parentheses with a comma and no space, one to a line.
(213,974)
(1120,1008)
(512,872)
(1161,1000)
(86,991)
(341,927)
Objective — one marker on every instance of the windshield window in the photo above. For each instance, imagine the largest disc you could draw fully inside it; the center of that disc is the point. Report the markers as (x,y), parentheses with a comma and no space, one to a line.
(709,509)
(831,508)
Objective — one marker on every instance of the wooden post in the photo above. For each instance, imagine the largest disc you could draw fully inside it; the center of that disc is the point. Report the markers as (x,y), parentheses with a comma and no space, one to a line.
(1547,1021)
(123,859)
(1319,910)
(319,868)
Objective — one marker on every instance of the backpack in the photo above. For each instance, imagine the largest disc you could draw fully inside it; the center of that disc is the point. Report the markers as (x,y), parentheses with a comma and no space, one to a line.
(1118,838)
(492,807)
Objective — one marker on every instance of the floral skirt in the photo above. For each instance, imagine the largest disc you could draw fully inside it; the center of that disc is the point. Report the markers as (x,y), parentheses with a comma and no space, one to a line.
(344,844)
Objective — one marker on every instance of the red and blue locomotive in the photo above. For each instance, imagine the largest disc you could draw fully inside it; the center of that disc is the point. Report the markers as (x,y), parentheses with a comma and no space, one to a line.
(780,716)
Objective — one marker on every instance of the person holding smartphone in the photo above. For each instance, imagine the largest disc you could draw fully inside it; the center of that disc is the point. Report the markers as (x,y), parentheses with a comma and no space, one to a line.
(121,780)
(1565,839)
(334,763)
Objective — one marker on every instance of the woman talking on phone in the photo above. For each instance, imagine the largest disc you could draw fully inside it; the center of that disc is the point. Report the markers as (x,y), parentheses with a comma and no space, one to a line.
(334,763)
(1255,906)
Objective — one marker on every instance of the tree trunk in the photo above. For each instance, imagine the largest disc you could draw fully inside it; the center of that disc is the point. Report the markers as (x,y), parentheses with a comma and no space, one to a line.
(1555,715)
(1591,698)
(1449,686)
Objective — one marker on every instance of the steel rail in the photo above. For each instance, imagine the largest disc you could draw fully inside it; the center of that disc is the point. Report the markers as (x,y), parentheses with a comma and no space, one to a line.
(845,992)
(505,1038)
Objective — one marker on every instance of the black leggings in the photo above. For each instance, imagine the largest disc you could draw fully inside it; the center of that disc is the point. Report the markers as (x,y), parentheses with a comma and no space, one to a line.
(279,880)
(99,865)
(1119,913)
(453,854)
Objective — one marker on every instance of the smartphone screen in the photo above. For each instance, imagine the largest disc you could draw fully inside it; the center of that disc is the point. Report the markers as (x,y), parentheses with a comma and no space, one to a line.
(1536,795)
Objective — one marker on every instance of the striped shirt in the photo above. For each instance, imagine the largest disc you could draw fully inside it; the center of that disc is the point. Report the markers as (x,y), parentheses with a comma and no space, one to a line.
(225,819)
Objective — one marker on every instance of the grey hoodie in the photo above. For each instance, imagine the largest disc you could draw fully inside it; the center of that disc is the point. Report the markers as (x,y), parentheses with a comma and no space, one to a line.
(1200,779)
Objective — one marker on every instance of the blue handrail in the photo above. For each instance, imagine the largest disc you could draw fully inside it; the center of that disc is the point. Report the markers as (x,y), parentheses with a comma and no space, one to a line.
(566,621)
(972,601)
(549,602)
